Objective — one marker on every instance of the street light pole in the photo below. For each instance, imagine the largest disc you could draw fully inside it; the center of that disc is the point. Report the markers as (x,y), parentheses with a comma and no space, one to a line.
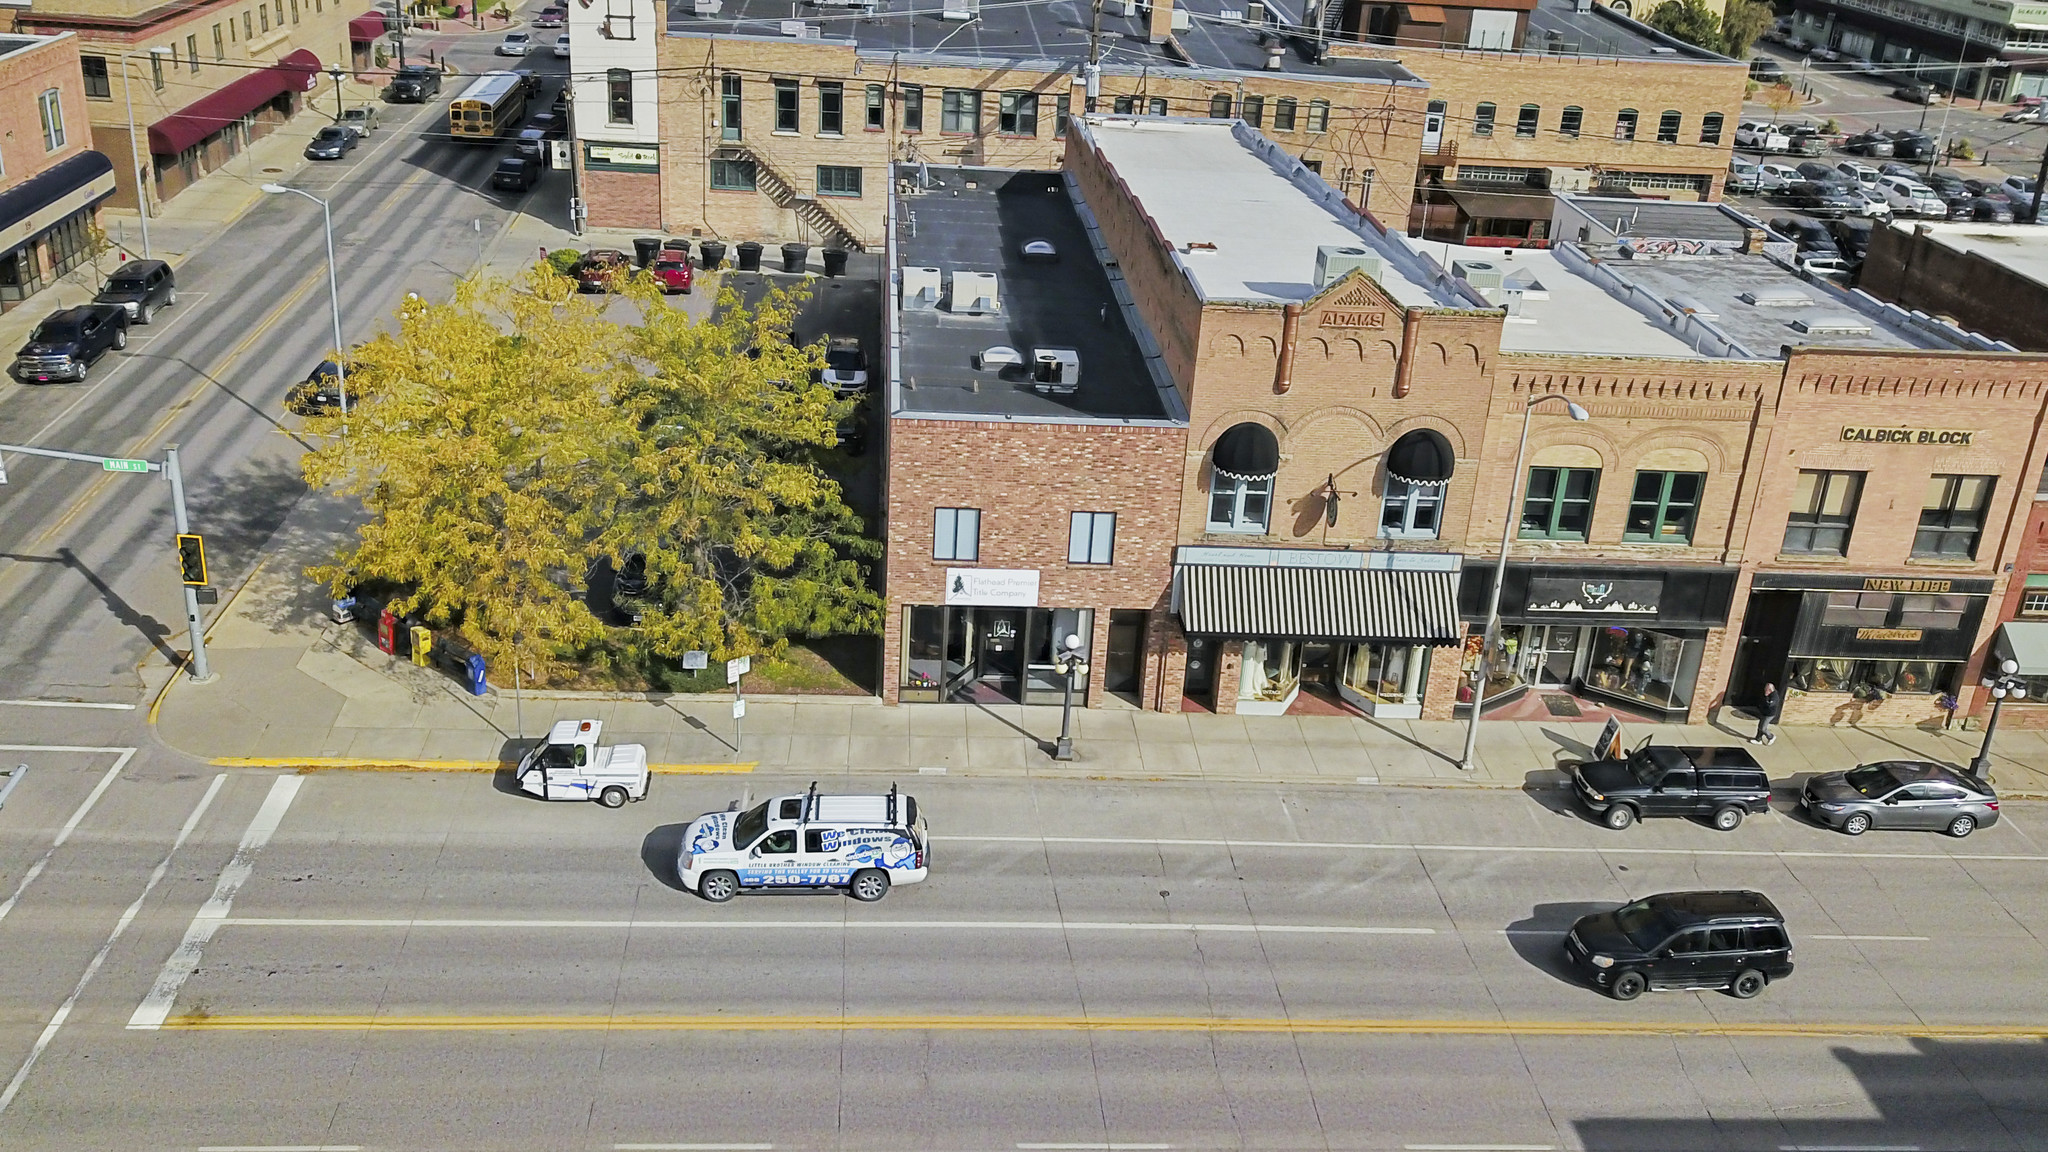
(134,169)
(339,111)
(2006,683)
(333,292)
(1500,571)
(1069,664)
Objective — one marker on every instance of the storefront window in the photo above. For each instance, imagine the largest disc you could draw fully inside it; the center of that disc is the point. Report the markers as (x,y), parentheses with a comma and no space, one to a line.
(1272,670)
(1039,671)
(1870,678)
(1857,609)
(1653,667)
(1387,673)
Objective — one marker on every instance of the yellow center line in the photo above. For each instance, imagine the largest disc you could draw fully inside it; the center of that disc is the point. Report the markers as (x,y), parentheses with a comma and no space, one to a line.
(999,1023)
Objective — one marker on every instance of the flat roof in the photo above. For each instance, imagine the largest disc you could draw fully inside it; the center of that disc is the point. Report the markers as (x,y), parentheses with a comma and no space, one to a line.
(1719,282)
(1562,311)
(1255,214)
(2019,248)
(1660,219)
(978,220)
(1602,31)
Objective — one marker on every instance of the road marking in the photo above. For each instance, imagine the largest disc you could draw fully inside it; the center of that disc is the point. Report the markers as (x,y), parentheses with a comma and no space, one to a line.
(184,961)
(91,798)
(1848,1148)
(1097,1147)
(281,1148)
(816,925)
(347,764)
(693,1147)
(68,704)
(738,1022)
(1501,849)
(1480,1147)
(49,1033)
(1910,939)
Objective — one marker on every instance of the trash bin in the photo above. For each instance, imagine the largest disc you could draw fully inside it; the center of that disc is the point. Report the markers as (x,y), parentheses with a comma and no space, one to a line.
(714,253)
(793,257)
(475,668)
(749,255)
(644,248)
(682,246)
(835,261)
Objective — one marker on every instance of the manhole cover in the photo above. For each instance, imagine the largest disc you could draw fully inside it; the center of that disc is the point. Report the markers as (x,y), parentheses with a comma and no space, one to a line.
(273,171)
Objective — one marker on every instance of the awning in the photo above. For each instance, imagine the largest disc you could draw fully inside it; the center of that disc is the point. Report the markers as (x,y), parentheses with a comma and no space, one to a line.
(1319,603)
(213,112)
(44,200)
(1247,452)
(1503,203)
(1424,13)
(367,27)
(2025,643)
(1422,458)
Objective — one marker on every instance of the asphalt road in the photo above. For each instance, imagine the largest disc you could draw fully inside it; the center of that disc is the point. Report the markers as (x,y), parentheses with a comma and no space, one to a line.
(88,579)
(1090,966)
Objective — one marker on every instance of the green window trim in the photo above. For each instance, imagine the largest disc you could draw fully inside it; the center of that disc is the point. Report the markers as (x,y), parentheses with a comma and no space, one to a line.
(1664,508)
(1558,504)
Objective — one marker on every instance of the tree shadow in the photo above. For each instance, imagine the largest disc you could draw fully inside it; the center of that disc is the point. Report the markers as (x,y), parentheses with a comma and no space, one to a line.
(1539,938)
(659,851)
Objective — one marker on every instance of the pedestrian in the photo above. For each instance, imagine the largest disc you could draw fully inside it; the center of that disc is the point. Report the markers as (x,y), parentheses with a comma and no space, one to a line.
(1767,714)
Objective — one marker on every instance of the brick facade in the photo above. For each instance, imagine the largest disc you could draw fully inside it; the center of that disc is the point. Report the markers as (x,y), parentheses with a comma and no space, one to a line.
(623,199)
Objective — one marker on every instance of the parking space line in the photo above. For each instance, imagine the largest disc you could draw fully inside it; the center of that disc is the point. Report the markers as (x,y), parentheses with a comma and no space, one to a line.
(817,925)
(150,1014)
(1495,849)
(1907,939)
(68,704)
(77,816)
(99,958)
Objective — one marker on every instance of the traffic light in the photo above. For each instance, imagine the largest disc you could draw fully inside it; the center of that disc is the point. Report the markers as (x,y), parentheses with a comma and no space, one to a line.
(192,558)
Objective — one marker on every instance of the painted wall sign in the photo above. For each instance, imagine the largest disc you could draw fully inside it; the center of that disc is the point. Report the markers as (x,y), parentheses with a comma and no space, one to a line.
(1373,320)
(1910,635)
(1887,584)
(993,587)
(1950,436)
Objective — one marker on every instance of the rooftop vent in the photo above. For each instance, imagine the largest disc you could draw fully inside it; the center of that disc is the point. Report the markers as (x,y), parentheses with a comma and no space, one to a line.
(1776,298)
(1335,261)
(1523,282)
(1055,370)
(1040,252)
(921,289)
(1233,15)
(1832,326)
(974,293)
(1692,306)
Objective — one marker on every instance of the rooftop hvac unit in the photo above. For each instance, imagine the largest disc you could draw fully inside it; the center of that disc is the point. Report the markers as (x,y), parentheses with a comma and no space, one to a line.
(960,10)
(1582,5)
(1055,370)
(868,5)
(1123,7)
(921,289)
(974,293)
(1484,275)
(1335,261)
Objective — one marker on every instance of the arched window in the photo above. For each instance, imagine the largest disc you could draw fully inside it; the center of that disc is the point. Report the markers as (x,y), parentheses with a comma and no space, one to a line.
(1219,106)
(1625,124)
(1525,121)
(1419,468)
(1242,466)
(1482,120)
(1569,123)
(1667,126)
(1710,128)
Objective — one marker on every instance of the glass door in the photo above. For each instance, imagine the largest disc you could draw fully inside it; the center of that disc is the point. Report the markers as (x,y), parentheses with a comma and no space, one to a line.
(1000,663)
(1550,654)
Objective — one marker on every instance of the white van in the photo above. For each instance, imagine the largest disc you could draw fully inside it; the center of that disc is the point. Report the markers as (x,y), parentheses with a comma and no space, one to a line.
(864,844)
(572,765)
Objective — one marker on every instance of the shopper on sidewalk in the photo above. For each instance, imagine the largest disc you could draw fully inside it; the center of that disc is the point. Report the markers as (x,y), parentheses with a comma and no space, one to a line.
(1767,714)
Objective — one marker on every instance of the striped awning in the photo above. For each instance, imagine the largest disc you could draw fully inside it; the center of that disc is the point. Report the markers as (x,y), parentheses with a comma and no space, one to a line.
(1351,604)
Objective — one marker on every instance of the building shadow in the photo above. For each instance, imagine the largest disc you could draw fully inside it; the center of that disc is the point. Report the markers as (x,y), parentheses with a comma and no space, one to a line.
(1538,938)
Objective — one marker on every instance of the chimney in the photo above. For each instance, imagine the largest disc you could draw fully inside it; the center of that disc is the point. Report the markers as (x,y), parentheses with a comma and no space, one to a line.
(1753,241)
(1162,21)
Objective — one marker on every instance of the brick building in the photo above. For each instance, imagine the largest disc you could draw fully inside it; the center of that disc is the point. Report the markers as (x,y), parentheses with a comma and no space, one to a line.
(775,126)
(1347,411)
(51,182)
(204,78)
(1990,277)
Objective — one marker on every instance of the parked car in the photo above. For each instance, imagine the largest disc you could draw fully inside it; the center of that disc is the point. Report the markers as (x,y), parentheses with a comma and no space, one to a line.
(1900,794)
(1871,143)
(531,143)
(672,270)
(1722,784)
(1869,203)
(1894,168)
(1823,52)
(574,764)
(70,341)
(361,121)
(1911,197)
(1950,188)
(1822,199)
(331,143)
(846,366)
(1744,175)
(1732,941)
(852,431)
(516,174)
(320,392)
(1765,70)
(1852,237)
(1862,174)
(2019,185)
(1915,92)
(550,17)
(550,125)
(2024,114)
(1761,135)
(1773,177)
(140,287)
(515,44)
(602,270)
(1806,140)
(1822,173)
(561,47)
(1908,144)
(529,80)
(1817,247)
(1987,210)
(414,84)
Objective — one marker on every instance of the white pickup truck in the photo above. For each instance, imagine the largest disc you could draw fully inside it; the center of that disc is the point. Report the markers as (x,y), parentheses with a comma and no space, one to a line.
(573,766)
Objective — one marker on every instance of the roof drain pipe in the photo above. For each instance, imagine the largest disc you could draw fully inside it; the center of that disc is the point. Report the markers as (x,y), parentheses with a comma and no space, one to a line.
(1403,371)
(1283,375)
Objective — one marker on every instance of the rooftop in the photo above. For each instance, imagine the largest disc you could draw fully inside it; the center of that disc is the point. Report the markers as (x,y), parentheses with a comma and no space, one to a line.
(1619,217)
(1560,310)
(978,220)
(1258,242)
(1056,31)
(2020,248)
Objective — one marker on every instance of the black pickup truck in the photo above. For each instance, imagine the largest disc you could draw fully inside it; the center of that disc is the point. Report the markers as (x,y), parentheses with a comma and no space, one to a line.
(1721,784)
(70,341)
(413,84)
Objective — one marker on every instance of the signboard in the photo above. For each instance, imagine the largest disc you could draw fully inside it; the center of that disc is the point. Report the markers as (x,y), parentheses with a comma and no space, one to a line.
(1950,437)
(125,465)
(1909,635)
(696,660)
(622,156)
(739,709)
(1603,597)
(1608,746)
(1887,584)
(1371,320)
(993,587)
(737,667)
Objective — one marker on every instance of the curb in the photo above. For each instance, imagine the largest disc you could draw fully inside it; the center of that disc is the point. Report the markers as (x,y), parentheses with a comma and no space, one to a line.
(308,764)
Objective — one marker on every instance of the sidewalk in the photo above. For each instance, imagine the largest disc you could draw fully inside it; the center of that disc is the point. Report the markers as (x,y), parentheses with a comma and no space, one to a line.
(293,688)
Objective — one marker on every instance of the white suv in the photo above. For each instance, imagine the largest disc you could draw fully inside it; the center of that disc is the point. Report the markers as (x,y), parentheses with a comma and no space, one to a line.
(1911,197)
(1761,134)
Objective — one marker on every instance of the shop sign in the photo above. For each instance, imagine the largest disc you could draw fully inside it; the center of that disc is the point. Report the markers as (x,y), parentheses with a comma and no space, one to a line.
(1606,596)
(1886,584)
(623,156)
(1952,437)
(993,587)
(1372,320)
(1909,635)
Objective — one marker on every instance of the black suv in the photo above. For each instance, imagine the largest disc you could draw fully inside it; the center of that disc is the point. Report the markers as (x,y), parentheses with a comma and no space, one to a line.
(1722,784)
(1732,941)
(140,287)
(413,84)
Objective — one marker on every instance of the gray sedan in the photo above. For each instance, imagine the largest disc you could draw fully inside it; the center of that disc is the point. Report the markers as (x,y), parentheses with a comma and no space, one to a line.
(1901,794)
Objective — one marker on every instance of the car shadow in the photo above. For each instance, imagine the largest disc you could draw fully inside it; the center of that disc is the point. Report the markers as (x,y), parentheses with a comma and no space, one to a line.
(1539,938)
(509,754)
(1551,788)
(658,851)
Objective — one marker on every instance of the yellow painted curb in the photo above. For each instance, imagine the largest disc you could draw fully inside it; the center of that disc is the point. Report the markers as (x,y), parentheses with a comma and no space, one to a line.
(345,764)
(744,1023)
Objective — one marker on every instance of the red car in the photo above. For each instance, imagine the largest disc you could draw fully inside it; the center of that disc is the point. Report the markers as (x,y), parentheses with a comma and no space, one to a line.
(672,268)
(602,270)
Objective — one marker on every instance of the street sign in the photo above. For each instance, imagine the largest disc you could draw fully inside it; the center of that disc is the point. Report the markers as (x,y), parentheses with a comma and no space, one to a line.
(696,659)
(112,465)
(737,667)
(739,709)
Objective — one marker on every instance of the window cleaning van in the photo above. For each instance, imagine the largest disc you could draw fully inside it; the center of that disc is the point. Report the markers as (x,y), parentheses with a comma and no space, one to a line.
(864,844)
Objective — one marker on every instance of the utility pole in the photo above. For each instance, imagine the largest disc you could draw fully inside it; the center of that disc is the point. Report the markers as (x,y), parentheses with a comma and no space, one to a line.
(2040,178)
(1090,76)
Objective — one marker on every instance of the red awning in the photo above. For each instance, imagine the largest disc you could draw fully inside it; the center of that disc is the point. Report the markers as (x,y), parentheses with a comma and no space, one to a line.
(209,114)
(366,27)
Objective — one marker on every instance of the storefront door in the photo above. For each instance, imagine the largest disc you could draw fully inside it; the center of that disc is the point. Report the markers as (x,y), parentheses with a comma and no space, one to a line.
(999,665)
(1550,656)
(1765,646)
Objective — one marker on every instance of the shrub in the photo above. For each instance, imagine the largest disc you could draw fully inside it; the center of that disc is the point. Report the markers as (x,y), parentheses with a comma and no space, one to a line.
(563,259)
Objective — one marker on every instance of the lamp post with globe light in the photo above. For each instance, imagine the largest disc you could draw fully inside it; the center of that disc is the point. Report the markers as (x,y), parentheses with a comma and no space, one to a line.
(2006,684)
(1070,663)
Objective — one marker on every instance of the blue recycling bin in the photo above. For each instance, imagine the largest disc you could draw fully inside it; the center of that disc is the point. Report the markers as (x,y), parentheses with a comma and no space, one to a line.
(475,666)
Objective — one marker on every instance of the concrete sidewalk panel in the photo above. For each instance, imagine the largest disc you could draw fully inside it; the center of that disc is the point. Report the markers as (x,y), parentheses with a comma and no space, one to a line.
(387,743)
(1007,752)
(1163,727)
(938,751)
(937,720)
(1228,759)
(878,721)
(873,752)
(820,719)
(819,753)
